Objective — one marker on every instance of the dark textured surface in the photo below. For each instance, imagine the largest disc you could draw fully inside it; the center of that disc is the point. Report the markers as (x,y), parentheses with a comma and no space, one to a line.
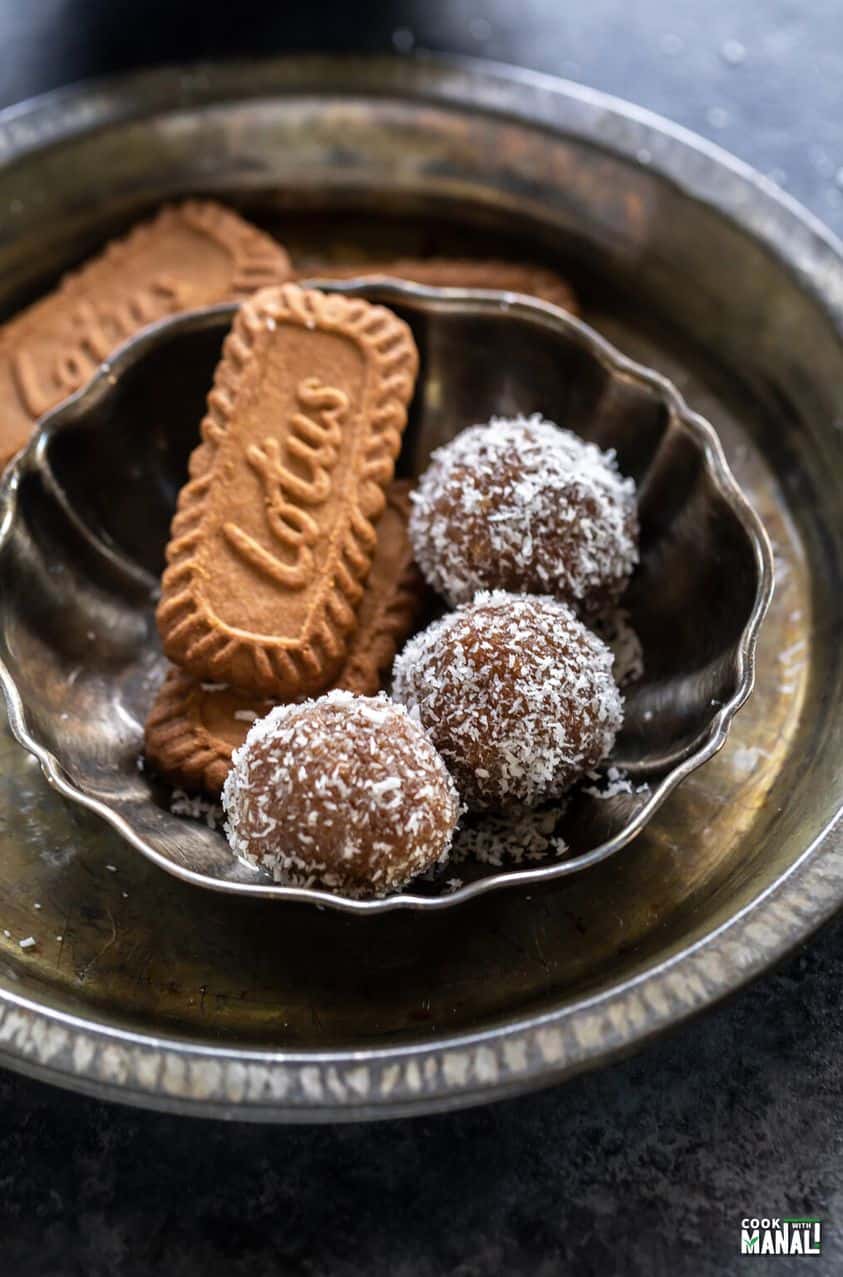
(647,1167)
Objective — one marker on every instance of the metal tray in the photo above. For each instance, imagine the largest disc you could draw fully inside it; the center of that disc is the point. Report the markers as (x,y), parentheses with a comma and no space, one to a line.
(163,995)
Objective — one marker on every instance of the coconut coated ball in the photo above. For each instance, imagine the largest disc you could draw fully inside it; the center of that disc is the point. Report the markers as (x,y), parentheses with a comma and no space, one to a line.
(524,506)
(345,791)
(515,693)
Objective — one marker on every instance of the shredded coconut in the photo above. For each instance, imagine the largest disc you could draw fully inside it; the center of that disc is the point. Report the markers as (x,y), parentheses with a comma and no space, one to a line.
(360,774)
(523,505)
(194,807)
(516,694)
(616,631)
(612,782)
(513,836)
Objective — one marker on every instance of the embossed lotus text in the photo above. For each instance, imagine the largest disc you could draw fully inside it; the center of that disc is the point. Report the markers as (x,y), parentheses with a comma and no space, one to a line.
(97,330)
(313,441)
(189,255)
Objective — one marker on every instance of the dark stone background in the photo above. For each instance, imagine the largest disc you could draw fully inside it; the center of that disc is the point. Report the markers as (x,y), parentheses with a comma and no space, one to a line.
(647,1167)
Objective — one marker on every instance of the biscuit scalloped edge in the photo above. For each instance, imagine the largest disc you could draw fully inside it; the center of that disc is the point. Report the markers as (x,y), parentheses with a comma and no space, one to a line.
(193,638)
(257,260)
(177,745)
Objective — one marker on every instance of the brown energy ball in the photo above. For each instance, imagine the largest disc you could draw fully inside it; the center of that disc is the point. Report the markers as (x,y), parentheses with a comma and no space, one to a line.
(524,506)
(345,791)
(515,693)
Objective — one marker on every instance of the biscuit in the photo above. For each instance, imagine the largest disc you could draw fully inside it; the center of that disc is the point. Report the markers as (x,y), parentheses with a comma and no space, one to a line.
(190,255)
(393,601)
(456,272)
(274,534)
(193,727)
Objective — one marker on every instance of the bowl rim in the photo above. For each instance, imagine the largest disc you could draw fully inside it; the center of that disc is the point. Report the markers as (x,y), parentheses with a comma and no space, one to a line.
(426,300)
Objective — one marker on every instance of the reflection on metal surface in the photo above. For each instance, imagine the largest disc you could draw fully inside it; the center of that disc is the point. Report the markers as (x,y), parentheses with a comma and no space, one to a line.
(181,998)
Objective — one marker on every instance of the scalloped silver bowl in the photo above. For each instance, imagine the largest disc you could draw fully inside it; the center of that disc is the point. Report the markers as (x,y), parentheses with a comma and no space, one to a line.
(86,514)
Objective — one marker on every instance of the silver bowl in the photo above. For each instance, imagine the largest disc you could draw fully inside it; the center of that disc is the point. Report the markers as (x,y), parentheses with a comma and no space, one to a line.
(86,513)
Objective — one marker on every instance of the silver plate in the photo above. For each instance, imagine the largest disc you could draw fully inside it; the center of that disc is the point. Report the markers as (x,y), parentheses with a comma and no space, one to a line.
(167,996)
